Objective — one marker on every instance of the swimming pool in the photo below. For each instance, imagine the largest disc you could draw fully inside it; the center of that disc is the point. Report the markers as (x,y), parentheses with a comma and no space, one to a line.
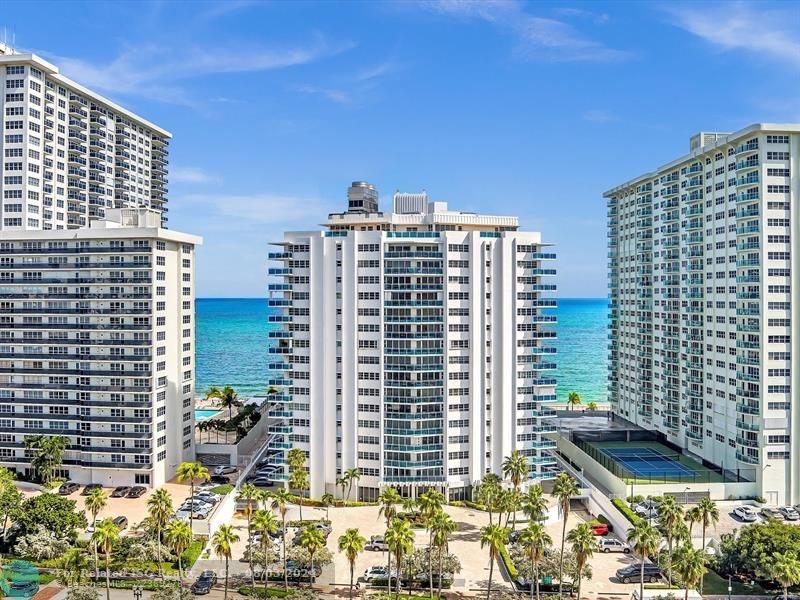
(201,415)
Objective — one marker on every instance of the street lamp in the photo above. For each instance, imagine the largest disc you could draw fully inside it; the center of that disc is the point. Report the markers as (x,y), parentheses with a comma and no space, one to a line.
(686,495)
(137,592)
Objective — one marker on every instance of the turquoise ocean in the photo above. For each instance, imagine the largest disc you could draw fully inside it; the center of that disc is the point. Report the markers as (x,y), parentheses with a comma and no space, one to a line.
(232,345)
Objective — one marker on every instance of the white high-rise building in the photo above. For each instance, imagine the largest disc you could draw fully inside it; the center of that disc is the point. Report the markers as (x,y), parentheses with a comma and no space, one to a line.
(413,345)
(68,153)
(96,297)
(704,345)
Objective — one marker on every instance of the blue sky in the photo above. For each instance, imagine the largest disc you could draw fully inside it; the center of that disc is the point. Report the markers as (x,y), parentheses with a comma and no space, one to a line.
(532,109)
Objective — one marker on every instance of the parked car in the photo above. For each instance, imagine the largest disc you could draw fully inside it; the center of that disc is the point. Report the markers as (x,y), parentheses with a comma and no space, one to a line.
(632,573)
(88,488)
(324,528)
(68,487)
(378,572)
(121,522)
(209,497)
(259,481)
(376,542)
(220,479)
(514,536)
(137,491)
(278,533)
(772,513)
(611,544)
(94,525)
(224,470)
(646,512)
(23,588)
(745,513)
(599,528)
(204,583)
(120,491)
(789,513)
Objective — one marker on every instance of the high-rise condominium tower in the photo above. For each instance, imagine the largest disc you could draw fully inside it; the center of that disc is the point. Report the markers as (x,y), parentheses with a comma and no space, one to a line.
(413,345)
(96,298)
(704,306)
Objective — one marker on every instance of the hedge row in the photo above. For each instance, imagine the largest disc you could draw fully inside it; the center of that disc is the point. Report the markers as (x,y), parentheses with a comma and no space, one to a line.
(512,570)
(626,510)
(258,592)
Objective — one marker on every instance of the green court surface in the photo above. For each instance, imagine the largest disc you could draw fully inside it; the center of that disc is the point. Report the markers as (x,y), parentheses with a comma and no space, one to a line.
(649,462)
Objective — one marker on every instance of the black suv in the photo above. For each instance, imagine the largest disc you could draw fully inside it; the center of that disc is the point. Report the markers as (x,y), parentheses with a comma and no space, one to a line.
(204,583)
(68,488)
(632,573)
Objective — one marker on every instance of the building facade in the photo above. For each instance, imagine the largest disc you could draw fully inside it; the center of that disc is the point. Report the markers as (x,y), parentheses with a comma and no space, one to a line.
(704,308)
(413,345)
(96,297)
(68,153)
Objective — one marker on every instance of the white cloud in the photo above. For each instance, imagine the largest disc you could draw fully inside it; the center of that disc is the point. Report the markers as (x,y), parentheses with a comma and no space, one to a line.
(335,95)
(769,33)
(263,208)
(599,116)
(599,18)
(349,89)
(191,175)
(156,71)
(538,38)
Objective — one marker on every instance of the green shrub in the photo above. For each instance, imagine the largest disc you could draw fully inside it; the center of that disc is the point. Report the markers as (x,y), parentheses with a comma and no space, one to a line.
(192,553)
(226,488)
(259,592)
(304,522)
(512,570)
(626,510)
(636,499)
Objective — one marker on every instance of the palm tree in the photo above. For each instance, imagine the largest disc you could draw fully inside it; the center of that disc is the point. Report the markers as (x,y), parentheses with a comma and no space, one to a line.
(227,396)
(388,500)
(592,406)
(709,515)
(266,524)
(785,570)
(495,537)
(280,501)
(327,500)
(341,482)
(488,493)
(95,502)
(192,471)
(353,475)
(584,543)
(221,543)
(48,455)
(693,516)
(429,504)
(573,400)
(106,535)
(159,508)
(690,566)
(400,539)
(299,481)
(535,540)
(312,539)
(534,504)
(178,536)
(644,538)
(564,489)
(515,468)
(441,526)
(247,493)
(670,515)
(352,544)
(72,568)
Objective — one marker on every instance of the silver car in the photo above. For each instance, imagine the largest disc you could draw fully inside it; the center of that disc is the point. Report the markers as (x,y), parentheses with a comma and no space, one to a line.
(609,544)
(789,513)
(745,513)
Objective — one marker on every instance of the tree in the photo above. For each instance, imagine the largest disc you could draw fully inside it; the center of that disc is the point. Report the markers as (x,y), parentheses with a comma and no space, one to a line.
(51,511)
(430,503)
(515,468)
(341,482)
(48,454)
(221,544)
(752,549)
(299,481)
(441,526)
(296,459)
(400,539)
(709,515)
(786,571)
(312,539)
(583,544)
(352,544)
(94,503)
(495,537)
(690,566)
(574,400)
(82,593)
(248,493)
(564,489)
(534,504)
(266,524)
(535,540)
(353,475)
(72,568)
(693,516)
(644,539)
(488,493)
(327,500)
(592,406)
(105,535)
(227,396)
(670,515)
(40,545)
(280,501)
(179,538)
(159,509)
(170,592)
(192,471)
(10,498)
(388,500)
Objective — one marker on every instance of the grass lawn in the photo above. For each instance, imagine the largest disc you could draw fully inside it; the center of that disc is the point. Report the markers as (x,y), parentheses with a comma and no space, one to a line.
(713,584)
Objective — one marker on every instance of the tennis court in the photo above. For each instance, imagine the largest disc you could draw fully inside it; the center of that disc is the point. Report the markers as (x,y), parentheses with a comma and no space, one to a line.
(648,462)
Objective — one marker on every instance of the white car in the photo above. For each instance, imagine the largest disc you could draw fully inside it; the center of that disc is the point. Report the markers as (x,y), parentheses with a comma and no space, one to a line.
(789,513)
(92,527)
(209,497)
(377,572)
(224,470)
(745,513)
(609,544)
